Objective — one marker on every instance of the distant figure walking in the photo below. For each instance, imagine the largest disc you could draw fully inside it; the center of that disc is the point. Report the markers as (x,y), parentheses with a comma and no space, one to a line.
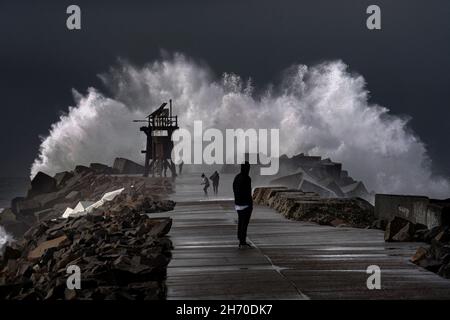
(215,182)
(205,182)
(180,166)
(242,189)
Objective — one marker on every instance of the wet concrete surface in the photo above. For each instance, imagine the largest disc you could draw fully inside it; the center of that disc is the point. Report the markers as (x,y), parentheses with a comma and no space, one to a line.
(289,259)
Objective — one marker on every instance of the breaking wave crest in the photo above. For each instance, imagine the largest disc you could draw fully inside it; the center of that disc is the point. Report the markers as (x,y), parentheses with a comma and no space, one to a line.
(320,110)
(4,238)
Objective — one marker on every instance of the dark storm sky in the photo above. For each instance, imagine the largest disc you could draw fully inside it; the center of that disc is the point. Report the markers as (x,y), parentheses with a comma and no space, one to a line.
(406,64)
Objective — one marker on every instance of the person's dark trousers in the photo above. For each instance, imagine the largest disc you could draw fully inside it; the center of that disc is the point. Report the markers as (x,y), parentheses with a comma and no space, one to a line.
(243,220)
(216,188)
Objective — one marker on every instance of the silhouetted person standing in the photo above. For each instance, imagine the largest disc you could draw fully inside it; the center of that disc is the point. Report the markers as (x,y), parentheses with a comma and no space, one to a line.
(242,188)
(215,182)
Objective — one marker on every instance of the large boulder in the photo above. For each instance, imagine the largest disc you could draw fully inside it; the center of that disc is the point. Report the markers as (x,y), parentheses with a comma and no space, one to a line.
(394,226)
(404,234)
(41,183)
(436,257)
(37,252)
(125,166)
(80,170)
(62,177)
(420,254)
(432,233)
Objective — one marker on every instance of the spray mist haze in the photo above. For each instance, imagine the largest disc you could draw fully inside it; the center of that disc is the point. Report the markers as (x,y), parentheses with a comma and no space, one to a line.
(320,110)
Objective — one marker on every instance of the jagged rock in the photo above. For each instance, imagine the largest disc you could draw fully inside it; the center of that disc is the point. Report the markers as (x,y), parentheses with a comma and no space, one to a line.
(41,183)
(314,174)
(159,227)
(393,227)
(357,189)
(80,170)
(408,231)
(125,166)
(419,255)
(432,233)
(436,257)
(40,250)
(61,178)
(404,234)
(332,185)
(443,236)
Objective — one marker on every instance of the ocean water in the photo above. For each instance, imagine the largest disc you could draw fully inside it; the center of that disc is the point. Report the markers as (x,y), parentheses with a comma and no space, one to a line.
(9,189)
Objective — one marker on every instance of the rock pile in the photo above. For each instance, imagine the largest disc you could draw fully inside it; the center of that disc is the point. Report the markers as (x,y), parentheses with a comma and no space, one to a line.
(121,255)
(435,257)
(48,197)
(309,206)
(312,174)
(120,251)
(401,230)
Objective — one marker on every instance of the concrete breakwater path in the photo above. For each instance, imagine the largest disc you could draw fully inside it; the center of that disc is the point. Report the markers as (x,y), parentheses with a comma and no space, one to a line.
(289,260)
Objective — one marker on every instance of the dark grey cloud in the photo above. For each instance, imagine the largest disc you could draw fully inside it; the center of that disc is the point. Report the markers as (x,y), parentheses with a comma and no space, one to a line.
(405,64)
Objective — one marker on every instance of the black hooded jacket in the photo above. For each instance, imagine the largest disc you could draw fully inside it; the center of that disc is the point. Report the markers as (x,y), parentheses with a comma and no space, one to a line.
(242,188)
